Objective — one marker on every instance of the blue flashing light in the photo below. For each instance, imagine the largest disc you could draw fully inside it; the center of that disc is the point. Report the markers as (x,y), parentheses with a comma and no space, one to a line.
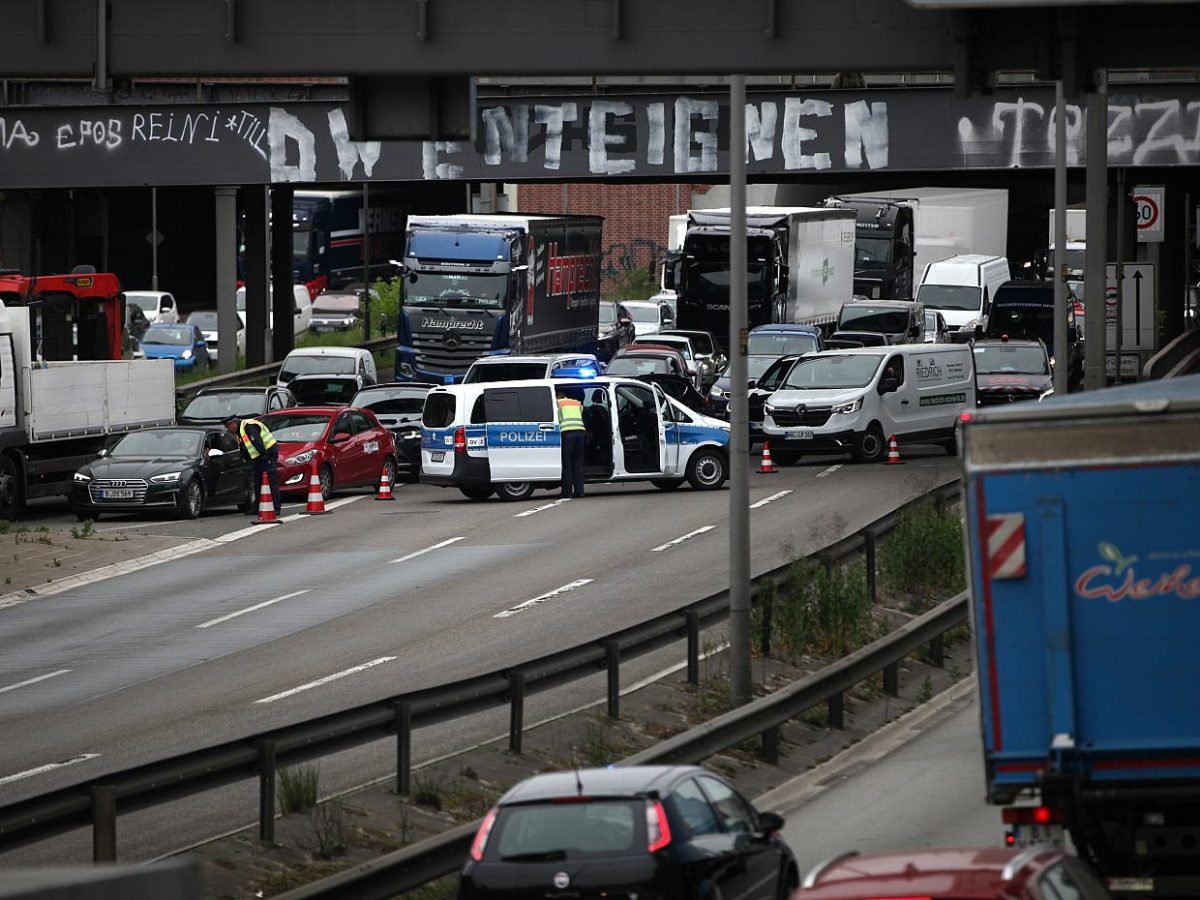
(576,372)
(448,379)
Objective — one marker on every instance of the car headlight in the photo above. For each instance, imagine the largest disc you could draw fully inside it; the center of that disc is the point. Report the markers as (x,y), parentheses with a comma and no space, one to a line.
(301,458)
(1047,393)
(80,478)
(770,410)
(411,435)
(406,370)
(970,326)
(716,392)
(186,354)
(166,477)
(851,407)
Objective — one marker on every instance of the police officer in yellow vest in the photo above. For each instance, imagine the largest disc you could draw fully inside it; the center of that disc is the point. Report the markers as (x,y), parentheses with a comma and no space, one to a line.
(574,439)
(259,446)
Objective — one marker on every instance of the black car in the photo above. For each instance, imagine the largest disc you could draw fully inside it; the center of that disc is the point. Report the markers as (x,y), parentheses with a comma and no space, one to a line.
(397,406)
(326,390)
(679,388)
(180,470)
(1011,371)
(616,330)
(212,406)
(1025,311)
(650,831)
(718,394)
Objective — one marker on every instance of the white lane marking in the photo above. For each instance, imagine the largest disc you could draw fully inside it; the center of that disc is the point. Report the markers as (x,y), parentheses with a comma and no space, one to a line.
(538,509)
(765,500)
(679,540)
(521,607)
(258,529)
(328,678)
(250,609)
(49,767)
(439,546)
(29,681)
(830,470)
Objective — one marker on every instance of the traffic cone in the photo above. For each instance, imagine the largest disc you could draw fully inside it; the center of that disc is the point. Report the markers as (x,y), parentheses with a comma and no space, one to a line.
(767,467)
(385,486)
(266,504)
(316,500)
(893,457)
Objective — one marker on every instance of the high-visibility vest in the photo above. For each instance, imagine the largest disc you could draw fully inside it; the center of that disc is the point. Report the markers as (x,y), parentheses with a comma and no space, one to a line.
(268,439)
(570,415)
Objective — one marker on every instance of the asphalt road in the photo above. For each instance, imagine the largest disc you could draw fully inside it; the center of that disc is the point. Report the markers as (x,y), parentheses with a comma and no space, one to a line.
(284,623)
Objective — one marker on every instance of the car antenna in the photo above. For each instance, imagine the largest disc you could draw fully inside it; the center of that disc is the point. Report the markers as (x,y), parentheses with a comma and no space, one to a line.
(578,782)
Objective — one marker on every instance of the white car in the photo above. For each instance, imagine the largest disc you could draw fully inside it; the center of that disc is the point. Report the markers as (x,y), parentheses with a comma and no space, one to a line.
(328,361)
(303,308)
(158,306)
(649,317)
(206,321)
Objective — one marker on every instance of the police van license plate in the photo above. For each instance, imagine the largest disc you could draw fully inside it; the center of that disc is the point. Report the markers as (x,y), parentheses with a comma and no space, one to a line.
(804,435)
(437,455)
(116,495)
(1036,835)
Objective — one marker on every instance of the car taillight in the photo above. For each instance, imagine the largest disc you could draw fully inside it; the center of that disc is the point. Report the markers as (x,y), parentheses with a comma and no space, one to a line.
(1032,815)
(460,440)
(481,836)
(658,832)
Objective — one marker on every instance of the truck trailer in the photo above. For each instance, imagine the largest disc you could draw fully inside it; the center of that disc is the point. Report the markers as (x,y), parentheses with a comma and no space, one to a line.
(483,285)
(1085,578)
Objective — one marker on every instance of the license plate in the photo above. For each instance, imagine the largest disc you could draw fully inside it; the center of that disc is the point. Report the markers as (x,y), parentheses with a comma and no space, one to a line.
(116,495)
(437,456)
(804,435)
(1037,835)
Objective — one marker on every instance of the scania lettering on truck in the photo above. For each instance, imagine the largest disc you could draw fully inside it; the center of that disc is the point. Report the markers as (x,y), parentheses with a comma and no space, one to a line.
(56,416)
(799,267)
(483,285)
(1085,577)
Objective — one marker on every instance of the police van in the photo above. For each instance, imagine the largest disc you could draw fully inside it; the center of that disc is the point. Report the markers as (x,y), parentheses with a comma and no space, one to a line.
(503,437)
(853,400)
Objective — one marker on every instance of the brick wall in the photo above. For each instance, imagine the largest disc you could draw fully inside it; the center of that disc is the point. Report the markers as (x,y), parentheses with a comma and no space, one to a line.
(635,217)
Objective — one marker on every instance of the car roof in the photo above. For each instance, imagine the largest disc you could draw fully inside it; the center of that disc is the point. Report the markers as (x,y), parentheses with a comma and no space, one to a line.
(623,781)
(328,351)
(783,328)
(965,874)
(996,342)
(308,410)
(654,303)
(397,385)
(531,358)
(199,429)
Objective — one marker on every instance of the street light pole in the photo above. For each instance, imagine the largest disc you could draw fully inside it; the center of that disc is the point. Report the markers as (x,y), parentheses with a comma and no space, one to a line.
(1062,364)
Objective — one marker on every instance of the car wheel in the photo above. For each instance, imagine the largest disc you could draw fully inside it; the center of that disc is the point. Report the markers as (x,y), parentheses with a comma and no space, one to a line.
(785,457)
(12,489)
(515,490)
(789,881)
(476,493)
(249,503)
(325,476)
(707,470)
(666,484)
(869,445)
(389,466)
(191,501)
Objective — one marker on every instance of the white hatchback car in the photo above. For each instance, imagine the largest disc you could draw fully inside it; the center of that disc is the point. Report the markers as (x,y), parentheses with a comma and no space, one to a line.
(158,306)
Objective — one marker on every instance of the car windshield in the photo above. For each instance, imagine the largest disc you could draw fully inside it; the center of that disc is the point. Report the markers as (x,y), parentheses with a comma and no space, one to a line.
(505,372)
(949,296)
(1014,360)
(171,335)
(323,391)
(455,289)
(872,252)
(684,348)
(223,405)
(644,314)
(701,341)
(817,373)
(781,344)
(172,443)
(881,319)
(608,314)
(293,428)
(756,365)
(637,366)
(930,321)
(317,365)
(205,321)
(402,402)
(560,831)
(1020,320)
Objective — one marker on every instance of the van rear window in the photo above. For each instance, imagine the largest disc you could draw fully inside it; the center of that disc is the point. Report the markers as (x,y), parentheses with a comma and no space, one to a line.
(519,404)
(439,411)
(564,831)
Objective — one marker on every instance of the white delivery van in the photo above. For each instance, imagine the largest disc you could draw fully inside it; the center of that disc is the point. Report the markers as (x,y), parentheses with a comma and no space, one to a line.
(853,400)
(961,288)
(302,308)
(503,438)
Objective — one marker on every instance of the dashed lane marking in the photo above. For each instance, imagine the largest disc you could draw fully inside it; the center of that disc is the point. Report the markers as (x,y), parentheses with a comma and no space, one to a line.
(439,546)
(830,470)
(528,604)
(765,500)
(29,681)
(538,509)
(326,680)
(679,540)
(250,609)
(49,767)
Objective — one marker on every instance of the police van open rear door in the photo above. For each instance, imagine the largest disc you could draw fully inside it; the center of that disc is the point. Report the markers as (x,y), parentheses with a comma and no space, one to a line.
(522,433)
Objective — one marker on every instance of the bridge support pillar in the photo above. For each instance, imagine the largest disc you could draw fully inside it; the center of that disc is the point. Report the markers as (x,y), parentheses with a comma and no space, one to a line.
(226,280)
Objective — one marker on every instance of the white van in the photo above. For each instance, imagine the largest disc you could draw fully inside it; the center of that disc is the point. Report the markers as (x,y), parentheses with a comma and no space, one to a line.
(503,438)
(302,307)
(520,368)
(854,400)
(328,361)
(961,288)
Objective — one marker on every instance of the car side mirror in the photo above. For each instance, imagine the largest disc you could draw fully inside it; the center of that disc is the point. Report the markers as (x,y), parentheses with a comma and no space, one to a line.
(340,438)
(770,823)
(1052,364)
(751,384)
(103,451)
(889,386)
(215,452)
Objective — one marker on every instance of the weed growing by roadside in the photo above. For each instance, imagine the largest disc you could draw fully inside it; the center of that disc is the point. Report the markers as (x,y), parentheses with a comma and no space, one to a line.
(56,562)
(298,788)
(428,790)
(328,832)
(597,751)
(84,529)
(926,692)
(924,552)
(823,611)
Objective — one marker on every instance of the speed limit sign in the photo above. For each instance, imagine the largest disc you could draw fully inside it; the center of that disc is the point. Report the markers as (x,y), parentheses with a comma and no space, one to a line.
(1148,202)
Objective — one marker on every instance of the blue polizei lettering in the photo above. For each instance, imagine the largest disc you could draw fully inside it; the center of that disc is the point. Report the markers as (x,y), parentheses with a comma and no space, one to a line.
(523,437)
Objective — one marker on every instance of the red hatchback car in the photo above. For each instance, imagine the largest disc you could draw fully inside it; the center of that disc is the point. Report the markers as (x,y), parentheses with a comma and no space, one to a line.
(979,873)
(349,446)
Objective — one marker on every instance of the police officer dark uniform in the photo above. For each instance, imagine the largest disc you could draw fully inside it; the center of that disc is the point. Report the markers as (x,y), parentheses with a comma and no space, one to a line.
(574,440)
(259,446)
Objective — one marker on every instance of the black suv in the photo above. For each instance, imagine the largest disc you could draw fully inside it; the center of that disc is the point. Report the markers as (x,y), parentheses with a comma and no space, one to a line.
(646,831)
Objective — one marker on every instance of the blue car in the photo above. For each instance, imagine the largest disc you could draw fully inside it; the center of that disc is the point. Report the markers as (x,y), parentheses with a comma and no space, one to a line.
(183,343)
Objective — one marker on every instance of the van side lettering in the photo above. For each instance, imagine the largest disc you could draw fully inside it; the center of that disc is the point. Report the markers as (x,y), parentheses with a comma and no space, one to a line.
(943,399)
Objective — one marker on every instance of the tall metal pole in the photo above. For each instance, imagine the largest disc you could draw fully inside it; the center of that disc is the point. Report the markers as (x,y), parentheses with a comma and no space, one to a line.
(1122,201)
(1062,366)
(1096,263)
(366,245)
(154,239)
(739,422)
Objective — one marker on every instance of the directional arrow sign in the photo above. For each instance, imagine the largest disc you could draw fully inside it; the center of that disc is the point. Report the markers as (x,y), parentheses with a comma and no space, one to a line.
(1137,306)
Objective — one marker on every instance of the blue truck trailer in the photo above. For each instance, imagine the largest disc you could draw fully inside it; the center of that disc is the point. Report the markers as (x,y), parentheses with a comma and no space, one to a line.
(1083,531)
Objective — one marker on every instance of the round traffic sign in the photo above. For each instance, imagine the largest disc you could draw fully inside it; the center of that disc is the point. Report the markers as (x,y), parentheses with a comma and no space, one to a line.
(1147,211)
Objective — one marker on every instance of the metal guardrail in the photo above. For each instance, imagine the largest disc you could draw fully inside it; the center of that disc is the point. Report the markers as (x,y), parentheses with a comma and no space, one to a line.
(1179,357)
(261,373)
(98,800)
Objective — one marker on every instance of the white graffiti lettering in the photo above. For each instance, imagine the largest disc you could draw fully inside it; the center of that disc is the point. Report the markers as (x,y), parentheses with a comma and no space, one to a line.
(506,133)
(794,136)
(553,118)
(283,127)
(434,170)
(866,130)
(685,137)
(12,133)
(87,132)
(599,139)
(657,133)
(350,152)
(760,130)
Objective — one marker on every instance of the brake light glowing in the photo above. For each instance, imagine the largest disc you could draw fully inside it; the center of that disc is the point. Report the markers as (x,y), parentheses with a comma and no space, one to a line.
(1032,815)
(658,832)
(965,416)
(460,440)
(481,836)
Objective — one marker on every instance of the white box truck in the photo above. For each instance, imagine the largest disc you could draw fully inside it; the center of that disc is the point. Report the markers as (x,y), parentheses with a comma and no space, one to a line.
(676,229)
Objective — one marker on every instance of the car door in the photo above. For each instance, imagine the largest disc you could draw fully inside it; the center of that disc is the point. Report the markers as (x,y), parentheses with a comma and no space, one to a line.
(669,445)
(522,433)
(714,862)
(896,405)
(759,865)
(349,465)
(214,469)
(375,445)
(240,473)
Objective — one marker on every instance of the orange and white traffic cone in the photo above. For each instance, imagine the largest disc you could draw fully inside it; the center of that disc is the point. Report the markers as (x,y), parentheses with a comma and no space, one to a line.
(767,467)
(316,500)
(385,486)
(893,457)
(266,504)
